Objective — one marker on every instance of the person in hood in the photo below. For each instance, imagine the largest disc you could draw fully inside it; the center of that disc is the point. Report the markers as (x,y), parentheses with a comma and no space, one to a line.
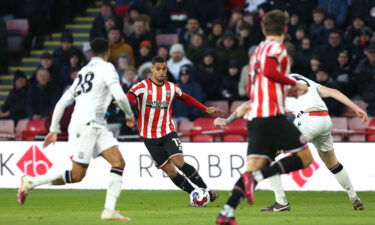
(229,87)
(229,49)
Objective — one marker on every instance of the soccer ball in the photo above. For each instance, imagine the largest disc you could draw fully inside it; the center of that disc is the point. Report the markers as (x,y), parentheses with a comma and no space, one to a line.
(199,197)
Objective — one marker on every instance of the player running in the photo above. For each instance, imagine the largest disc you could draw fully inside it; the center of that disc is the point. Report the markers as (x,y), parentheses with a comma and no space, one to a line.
(155,97)
(313,120)
(270,130)
(92,91)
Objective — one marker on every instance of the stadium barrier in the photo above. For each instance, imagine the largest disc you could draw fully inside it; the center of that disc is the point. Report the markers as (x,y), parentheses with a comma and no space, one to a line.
(220,165)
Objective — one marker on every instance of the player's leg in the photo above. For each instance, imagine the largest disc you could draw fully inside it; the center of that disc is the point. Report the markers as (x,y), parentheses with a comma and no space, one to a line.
(281,202)
(178,179)
(114,157)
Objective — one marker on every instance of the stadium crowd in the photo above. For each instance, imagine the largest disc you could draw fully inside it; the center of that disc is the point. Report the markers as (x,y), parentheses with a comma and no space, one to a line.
(329,41)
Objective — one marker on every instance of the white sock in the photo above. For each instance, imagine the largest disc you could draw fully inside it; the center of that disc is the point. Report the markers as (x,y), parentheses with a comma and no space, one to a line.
(113,191)
(227,211)
(278,190)
(258,176)
(343,178)
(52,177)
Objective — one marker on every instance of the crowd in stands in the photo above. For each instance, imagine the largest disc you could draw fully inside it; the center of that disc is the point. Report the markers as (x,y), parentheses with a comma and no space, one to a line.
(328,41)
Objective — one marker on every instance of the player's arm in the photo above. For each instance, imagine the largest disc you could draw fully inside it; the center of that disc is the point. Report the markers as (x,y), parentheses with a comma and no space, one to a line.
(122,102)
(190,101)
(66,100)
(325,92)
(271,73)
(239,113)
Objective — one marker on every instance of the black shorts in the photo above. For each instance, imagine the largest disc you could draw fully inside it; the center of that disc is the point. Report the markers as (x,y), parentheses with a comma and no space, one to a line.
(271,134)
(164,148)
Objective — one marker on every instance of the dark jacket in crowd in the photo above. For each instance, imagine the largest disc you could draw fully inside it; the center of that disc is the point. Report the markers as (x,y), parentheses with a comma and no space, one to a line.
(363,75)
(178,12)
(61,57)
(334,107)
(40,101)
(209,77)
(16,104)
(236,52)
(369,97)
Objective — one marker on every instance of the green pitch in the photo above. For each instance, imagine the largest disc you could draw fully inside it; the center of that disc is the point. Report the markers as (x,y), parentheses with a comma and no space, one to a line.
(82,207)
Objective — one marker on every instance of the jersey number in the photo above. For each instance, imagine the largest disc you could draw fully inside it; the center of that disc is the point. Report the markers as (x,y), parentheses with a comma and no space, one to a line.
(300,78)
(84,84)
(178,143)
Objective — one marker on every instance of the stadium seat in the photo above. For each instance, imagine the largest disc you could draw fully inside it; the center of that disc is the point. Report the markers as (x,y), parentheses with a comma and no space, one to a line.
(340,128)
(202,138)
(371,137)
(15,43)
(233,138)
(234,106)
(166,39)
(185,127)
(203,124)
(223,105)
(348,112)
(33,128)
(6,129)
(355,124)
(20,127)
(18,26)
(371,128)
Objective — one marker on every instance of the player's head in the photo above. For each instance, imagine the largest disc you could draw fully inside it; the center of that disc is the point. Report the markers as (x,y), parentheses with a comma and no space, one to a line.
(159,68)
(100,48)
(275,23)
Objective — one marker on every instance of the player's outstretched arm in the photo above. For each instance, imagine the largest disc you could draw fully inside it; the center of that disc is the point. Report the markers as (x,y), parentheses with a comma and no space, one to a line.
(66,100)
(122,102)
(190,101)
(325,92)
(239,113)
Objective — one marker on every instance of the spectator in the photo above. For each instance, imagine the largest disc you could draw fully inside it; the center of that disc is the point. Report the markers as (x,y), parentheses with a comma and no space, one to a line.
(323,78)
(40,96)
(215,35)
(144,71)
(3,47)
(133,13)
(163,51)
(192,27)
(98,25)
(235,20)
(123,63)
(206,13)
(304,55)
(144,54)
(117,46)
(62,54)
(294,24)
(322,38)
(65,72)
(298,35)
(317,27)
(342,73)
(177,60)
(361,41)
(330,51)
(354,30)
(209,76)
(139,33)
(337,8)
(189,86)
(230,50)
(196,48)
(244,79)
(369,97)
(315,63)
(246,36)
(109,23)
(158,12)
(15,104)
(46,62)
(87,51)
(178,11)
(229,86)
(129,78)
(365,70)
(123,7)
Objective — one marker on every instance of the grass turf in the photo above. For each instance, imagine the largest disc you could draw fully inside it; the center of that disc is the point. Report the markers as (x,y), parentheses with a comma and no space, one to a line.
(83,207)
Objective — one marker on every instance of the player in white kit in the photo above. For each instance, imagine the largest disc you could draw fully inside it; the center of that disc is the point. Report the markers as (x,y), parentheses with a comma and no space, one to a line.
(89,137)
(312,119)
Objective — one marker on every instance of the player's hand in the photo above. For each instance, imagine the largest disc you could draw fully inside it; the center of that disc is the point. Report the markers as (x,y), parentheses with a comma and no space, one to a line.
(130,121)
(362,114)
(50,138)
(213,110)
(220,122)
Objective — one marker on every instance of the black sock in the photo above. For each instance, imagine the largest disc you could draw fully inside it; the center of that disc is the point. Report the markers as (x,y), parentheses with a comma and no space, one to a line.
(284,165)
(68,176)
(181,182)
(193,175)
(236,194)
(116,170)
(336,168)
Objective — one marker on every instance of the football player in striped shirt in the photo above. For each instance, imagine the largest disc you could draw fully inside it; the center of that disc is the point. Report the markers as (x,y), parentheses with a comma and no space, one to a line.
(155,97)
(269,130)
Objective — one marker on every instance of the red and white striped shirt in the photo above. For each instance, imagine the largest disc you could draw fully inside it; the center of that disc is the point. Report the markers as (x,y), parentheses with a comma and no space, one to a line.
(155,106)
(268,80)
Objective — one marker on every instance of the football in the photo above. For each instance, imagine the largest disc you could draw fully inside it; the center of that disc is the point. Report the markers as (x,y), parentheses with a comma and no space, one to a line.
(199,197)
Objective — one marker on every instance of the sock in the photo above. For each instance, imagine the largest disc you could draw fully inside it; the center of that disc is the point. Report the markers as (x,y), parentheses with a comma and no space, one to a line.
(278,190)
(343,178)
(181,182)
(236,194)
(52,177)
(193,175)
(284,165)
(113,189)
(227,211)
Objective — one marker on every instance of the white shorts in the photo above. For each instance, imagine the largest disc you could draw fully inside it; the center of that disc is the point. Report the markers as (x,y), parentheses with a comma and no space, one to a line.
(88,141)
(316,128)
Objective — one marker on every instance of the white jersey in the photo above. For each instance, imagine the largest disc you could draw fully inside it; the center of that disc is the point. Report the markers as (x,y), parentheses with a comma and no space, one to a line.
(311,99)
(91,92)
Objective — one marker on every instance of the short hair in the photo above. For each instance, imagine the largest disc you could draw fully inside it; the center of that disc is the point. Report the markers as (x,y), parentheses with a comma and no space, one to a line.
(99,46)
(275,22)
(158,59)
(318,10)
(114,29)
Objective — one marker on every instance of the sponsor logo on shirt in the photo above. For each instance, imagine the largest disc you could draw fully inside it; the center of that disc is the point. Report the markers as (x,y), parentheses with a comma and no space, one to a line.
(157,104)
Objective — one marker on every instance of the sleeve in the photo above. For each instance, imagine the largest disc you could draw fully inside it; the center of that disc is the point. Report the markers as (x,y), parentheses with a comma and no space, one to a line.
(66,100)
(121,99)
(178,92)
(137,89)
(276,51)
(190,101)
(271,72)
